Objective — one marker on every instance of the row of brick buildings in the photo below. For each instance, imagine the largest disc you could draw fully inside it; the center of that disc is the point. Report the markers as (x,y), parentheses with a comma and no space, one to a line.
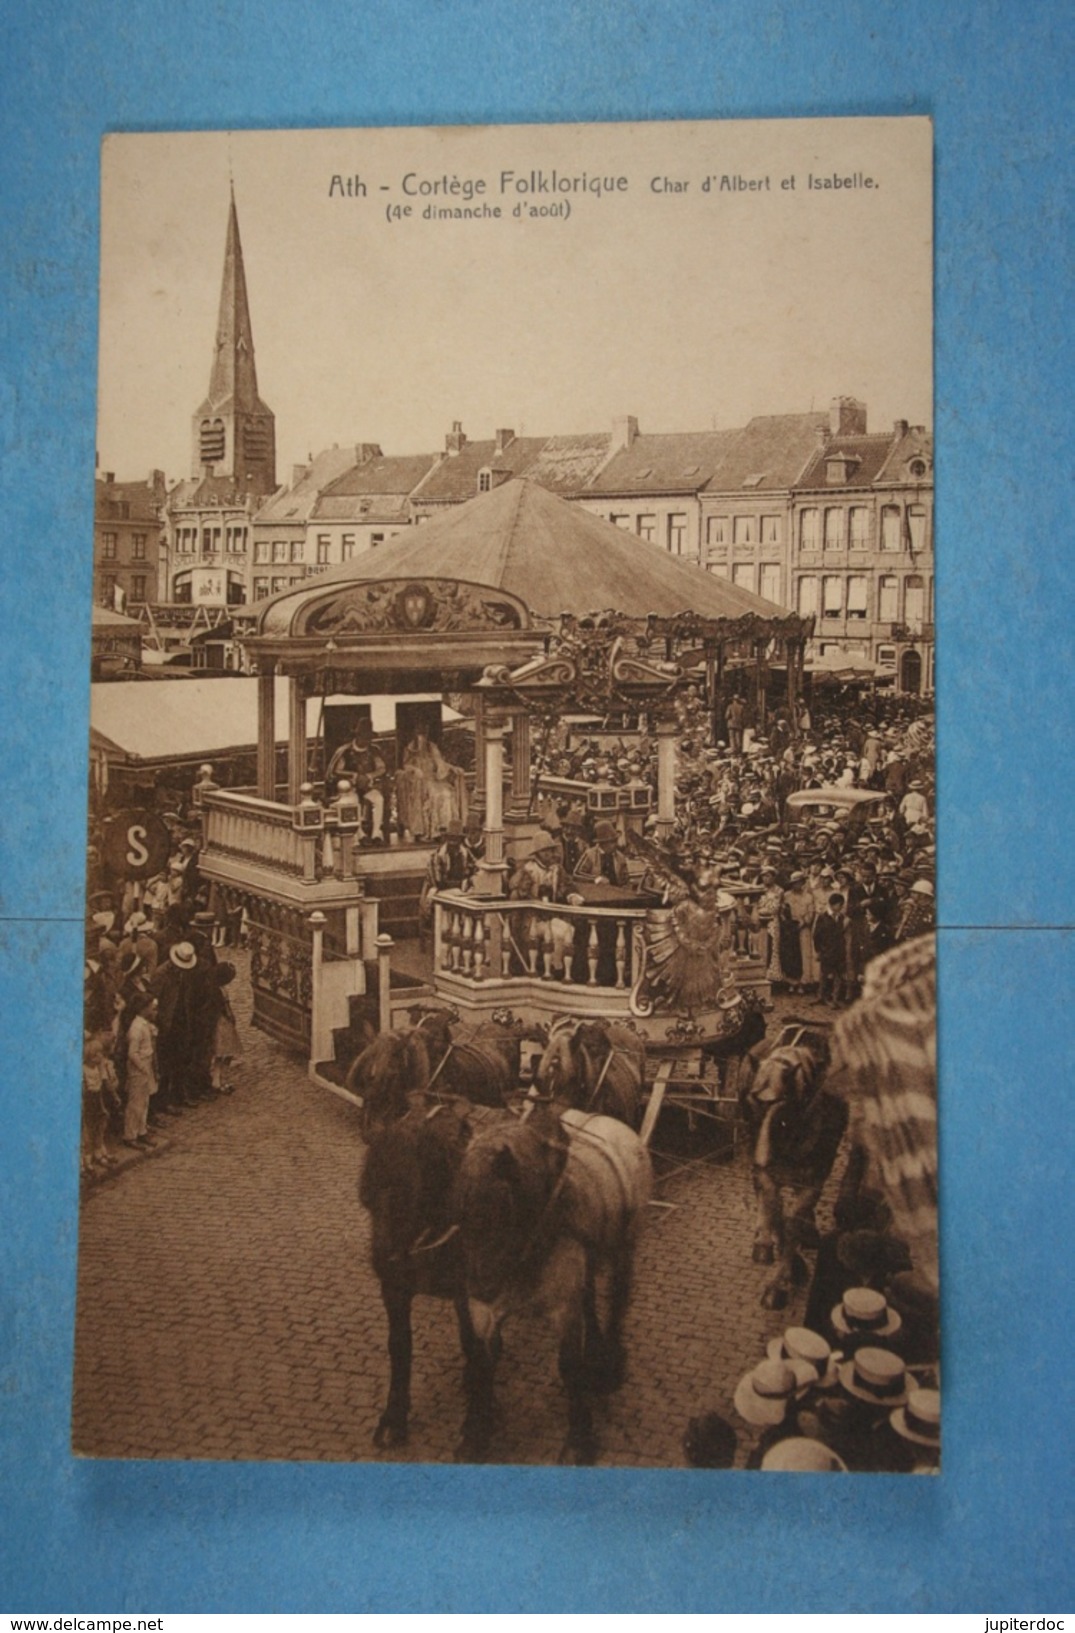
(810,510)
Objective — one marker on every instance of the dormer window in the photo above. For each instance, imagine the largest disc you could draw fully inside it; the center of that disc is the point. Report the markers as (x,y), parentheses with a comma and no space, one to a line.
(917,469)
(839,468)
(485,480)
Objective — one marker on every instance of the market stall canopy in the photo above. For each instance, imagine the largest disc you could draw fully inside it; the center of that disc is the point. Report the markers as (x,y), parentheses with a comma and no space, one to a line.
(150,721)
(545,555)
(843,666)
(105,620)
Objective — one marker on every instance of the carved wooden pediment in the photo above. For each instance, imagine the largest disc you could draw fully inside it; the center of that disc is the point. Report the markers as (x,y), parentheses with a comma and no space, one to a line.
(404,606)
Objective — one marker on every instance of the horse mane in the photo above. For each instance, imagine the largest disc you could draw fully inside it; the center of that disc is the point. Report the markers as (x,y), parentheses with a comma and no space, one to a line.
(408,1183)
(526,1157)
(390,1069)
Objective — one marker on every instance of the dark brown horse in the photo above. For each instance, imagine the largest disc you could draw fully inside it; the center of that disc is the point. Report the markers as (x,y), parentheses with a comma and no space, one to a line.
(797,1127)
(481,1064)
(593,1065)
(407,1187)
(549,1211)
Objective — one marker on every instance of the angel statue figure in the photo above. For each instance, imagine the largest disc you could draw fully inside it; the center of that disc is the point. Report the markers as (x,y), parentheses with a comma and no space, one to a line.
(686,942)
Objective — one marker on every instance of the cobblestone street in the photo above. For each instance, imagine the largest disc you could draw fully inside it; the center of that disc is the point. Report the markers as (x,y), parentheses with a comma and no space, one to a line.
(226,1307)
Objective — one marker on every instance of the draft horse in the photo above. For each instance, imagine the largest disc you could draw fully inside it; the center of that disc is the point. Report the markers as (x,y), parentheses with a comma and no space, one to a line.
(797,1127)
(481,1065)
(549,1210)
(594,1066)
(407,1187)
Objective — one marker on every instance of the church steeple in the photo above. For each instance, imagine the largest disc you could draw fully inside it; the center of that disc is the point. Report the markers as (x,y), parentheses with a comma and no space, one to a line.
(234,431)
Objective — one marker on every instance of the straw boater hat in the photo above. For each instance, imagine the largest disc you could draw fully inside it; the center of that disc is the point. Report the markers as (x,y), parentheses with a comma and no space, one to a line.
(877,1376)
(922,887)
(865,1313)
(920,1419)
(183,955)
(797,1455)
(764,1395)
(799,1347)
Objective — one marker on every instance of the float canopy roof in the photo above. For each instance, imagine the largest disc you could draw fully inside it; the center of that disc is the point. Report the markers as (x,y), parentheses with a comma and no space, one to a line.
(545,552)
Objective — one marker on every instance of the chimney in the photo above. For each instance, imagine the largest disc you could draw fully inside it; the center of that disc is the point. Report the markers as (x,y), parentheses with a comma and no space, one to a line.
(156,483)
(847,417)
(365,451)
(899,428)
(456,438)
(823,434)
(110,477)
(299,474)
(503,440)
(624,431)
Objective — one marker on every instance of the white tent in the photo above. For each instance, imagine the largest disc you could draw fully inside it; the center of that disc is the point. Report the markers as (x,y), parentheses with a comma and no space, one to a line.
(158,720)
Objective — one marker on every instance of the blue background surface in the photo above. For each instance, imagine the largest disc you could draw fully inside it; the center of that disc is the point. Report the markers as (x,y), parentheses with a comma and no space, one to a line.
(995,1531)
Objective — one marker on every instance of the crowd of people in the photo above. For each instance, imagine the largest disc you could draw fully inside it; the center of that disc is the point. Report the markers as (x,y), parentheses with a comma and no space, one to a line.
(815,899)
(159,1032)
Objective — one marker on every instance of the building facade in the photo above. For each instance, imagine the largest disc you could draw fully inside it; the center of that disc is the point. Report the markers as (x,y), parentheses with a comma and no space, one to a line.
(861,550)
(128,528)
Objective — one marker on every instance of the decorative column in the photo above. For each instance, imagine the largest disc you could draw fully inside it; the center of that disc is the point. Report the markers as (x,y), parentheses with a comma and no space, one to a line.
(667,730)
(296,739)
(266,765)
(479,751)
(491,869)
(520,762)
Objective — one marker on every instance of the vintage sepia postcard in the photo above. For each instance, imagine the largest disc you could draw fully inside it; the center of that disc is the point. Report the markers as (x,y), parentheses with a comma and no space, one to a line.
(510,1024)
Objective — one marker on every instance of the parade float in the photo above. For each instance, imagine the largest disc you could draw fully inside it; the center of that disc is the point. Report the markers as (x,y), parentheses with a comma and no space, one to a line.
(519,607)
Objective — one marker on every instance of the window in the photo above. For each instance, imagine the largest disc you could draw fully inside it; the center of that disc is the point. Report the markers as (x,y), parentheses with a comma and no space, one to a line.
(809,530)
(235,540)
(138,587)
(298,550)
(485,481)
(856,595)
(261,551)
(323,543)
(891,537)
(770,581)
(914,601)
(834,529)
(138,547)
(716,530)
(212,441)
(619,520)
(918,468)
(647,528)
(108,546)
(745,529)
(888,608)
(832,603)
(108,589)
(860,527)
(886,657)
(261,589)
(677,533)
(279,584)
(743,575)
(770,530)
(207,540)
(807,597)
(375,540)
(280,552)
(347,547)
(916,524)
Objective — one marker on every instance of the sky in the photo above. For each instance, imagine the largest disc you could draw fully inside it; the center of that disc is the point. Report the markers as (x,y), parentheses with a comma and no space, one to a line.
(687,306)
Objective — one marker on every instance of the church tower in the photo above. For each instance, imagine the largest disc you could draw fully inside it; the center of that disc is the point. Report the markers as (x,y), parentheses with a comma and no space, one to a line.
(234,433)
